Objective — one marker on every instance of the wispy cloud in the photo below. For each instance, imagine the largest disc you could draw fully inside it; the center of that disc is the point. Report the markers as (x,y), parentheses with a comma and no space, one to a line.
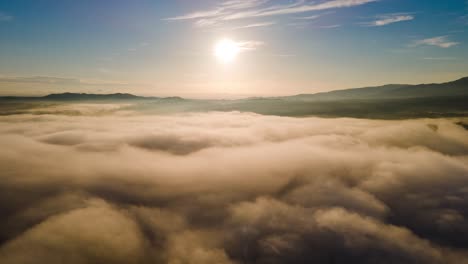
(222,9)
(5,17)
(256,25)
(441,42)
(329,26)
(309,17)
(387,19)
(315,16)
(298,8)
(243,9)
(242,4)
(249,45)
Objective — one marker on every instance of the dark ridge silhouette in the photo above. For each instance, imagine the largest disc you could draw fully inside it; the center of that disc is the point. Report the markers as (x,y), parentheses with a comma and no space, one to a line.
(89,97)
(393,91)
(389,91)
(395,101)
(85,96)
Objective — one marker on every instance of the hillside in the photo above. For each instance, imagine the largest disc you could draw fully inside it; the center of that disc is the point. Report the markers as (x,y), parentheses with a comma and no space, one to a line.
(393,91)
(84,96)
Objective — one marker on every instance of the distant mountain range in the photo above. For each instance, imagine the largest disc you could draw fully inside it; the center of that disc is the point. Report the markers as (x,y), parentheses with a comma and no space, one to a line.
(84,96)
(391,91)
(89,97)
(395,101)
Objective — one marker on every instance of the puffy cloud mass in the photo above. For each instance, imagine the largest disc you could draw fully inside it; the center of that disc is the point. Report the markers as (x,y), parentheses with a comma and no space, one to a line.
(231,188)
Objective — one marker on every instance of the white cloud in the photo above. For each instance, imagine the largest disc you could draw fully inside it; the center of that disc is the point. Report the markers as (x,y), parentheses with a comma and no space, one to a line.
(223,8)
(441,42)
(242,4)
(256,25)
(384,20)
(301,8)
(310,17)
(330,26)
(233,10)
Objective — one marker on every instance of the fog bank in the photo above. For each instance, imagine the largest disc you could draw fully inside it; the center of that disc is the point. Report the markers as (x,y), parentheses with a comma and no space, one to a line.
(231,188)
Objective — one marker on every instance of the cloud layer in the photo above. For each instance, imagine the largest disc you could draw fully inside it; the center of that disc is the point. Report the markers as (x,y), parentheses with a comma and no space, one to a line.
(231,188)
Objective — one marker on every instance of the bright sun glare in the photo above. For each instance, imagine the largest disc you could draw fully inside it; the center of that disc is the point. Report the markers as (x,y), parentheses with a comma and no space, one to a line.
(226,50)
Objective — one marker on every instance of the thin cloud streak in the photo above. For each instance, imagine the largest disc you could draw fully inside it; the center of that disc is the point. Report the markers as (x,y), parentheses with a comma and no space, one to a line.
(300,9)
(242,4)
(310,17)
(314,17)
(221,9)
(329,26)
(441,42)
(234,10)
(390,19)
(256,25)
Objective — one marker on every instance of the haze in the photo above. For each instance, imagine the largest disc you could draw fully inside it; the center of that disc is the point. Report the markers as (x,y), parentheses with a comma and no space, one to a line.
(233,132)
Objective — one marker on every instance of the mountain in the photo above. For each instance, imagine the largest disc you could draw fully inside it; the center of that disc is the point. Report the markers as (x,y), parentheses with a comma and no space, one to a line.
(88,97)
(392,91)
(385,92)
(395,101)
(84,96)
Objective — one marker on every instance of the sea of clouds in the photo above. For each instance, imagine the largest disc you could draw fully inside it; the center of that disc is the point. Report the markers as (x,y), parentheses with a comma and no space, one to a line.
(231,188)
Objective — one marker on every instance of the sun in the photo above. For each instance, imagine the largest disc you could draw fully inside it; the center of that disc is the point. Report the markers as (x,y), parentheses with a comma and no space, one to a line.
(226,50)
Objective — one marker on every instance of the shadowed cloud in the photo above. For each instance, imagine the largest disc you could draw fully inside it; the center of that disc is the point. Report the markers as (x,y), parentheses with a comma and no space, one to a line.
(232,188)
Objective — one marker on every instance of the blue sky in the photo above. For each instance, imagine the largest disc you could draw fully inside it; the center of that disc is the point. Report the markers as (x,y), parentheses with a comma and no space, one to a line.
(153,47)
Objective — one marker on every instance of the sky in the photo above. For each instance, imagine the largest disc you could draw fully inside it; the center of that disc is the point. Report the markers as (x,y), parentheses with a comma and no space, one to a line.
(166,48)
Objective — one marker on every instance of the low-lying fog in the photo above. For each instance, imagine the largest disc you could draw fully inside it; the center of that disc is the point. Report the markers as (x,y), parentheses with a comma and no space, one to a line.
(231,187)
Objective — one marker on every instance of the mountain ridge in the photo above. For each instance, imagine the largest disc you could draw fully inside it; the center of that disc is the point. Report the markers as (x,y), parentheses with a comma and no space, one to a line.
(458,87)
(69,96)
